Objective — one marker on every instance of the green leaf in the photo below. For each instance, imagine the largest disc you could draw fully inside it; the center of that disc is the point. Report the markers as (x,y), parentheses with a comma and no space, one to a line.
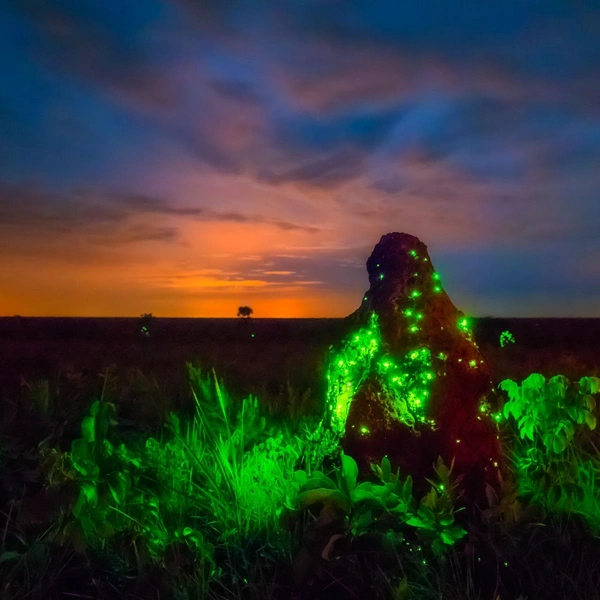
(401,592)
(556,387)
(590,384)
(559,444)
(117,484)
(79,450)
(590,419)
(90,492)
(318,480)
(88,429)
(349,474)
(6,556)
(325,496)
(512,388)
(534,382)
(452,535)
(407,489)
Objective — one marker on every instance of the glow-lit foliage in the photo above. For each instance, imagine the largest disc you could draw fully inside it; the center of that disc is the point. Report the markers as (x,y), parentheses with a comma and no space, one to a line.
(506,337)
(387,505)
(406,384)
(551,410)
(557,464)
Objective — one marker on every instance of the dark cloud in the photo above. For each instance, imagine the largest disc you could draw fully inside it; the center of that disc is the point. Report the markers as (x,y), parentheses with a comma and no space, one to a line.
(111,48)
(38,209)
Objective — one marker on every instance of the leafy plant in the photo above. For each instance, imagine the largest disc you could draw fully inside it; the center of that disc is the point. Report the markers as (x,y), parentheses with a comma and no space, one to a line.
(101,472)
(556,461)
(550,411)
(386,506)
(506,337)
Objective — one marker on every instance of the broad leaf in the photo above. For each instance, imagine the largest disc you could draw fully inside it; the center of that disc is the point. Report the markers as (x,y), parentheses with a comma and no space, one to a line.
(88,429)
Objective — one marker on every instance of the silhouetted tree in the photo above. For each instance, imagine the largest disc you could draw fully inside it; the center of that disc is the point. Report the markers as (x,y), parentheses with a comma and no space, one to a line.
(244,312)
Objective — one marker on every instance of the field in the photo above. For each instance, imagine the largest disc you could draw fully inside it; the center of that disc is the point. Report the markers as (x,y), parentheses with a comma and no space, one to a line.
(105,494)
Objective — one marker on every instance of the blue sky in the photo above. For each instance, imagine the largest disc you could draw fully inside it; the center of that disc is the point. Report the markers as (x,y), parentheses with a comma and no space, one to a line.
(183,157)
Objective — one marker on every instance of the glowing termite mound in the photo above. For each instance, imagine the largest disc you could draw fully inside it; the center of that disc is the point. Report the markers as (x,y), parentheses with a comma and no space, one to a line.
(410,382)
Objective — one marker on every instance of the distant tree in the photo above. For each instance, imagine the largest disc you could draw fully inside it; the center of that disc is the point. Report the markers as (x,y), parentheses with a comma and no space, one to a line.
(244,312)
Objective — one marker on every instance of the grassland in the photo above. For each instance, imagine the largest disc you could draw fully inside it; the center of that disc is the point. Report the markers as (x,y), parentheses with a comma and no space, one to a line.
(124,474)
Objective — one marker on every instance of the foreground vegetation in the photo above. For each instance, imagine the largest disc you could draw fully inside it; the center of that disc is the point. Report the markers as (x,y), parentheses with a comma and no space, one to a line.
(233,500)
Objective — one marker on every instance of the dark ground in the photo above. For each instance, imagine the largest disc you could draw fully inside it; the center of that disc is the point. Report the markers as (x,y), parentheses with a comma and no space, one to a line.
(260,356)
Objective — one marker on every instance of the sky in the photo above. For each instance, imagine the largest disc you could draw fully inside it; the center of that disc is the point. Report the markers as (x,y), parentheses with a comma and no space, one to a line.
(186,157)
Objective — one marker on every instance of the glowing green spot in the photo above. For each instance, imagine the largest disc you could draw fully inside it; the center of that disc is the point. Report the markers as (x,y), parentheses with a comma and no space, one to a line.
(414,355)
(419,316)
(442,356)
(408,312)
(364,430)
(506,337)
(381,276)
(413,253)
(436,276)
(365,299)
(252,335)
(437,289)
(415,293)
(496,463)
(472,363)
(413,329)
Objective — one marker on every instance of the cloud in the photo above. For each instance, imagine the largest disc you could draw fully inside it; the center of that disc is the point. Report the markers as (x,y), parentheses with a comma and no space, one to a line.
(34,209)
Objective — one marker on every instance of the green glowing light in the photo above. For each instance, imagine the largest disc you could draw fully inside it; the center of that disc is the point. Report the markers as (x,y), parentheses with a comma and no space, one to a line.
(365,299)
(436,276)
(413,329)
(408,312)
(419,316)
(442,356)
(364,430)
(414,254)
(415,293)
(405,382)
(437,289)
(506,337)
(472,363)
(252,335)
(381,276)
